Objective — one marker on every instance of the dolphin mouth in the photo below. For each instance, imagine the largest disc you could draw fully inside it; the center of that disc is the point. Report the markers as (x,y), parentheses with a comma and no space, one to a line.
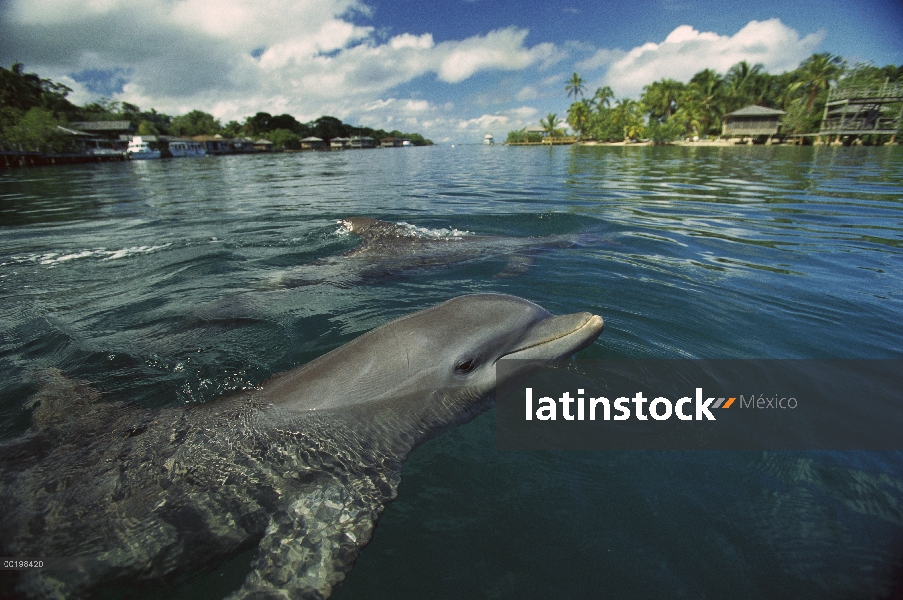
(559,337)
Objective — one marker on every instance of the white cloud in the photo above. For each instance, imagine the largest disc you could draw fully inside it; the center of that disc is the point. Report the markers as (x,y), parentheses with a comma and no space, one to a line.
(502,49)
(686,51)
(308,58)
(501,122)
(233,57)
(528,92)
(601,58)
(549,87)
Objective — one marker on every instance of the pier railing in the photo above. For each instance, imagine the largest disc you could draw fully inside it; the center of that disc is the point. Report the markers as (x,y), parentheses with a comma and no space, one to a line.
(886,93)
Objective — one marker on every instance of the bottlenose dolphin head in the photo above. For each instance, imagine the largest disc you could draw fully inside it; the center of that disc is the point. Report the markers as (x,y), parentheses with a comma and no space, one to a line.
(444,354)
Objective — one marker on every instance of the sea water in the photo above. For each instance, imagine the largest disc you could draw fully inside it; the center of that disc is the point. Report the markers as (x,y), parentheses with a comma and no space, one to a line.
(154,281)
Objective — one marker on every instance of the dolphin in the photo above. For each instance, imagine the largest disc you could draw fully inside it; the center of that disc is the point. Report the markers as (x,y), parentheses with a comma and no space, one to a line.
(297,470)
(395,249)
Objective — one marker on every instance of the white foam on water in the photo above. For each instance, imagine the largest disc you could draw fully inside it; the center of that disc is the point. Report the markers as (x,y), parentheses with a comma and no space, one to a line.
(55,258)
(444,233)
(134,250)
(414,231)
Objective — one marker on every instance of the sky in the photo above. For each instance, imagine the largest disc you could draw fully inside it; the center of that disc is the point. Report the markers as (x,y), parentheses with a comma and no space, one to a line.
(452,70)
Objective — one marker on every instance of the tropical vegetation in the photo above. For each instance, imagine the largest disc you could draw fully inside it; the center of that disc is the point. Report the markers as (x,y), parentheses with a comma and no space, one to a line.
(32,108)
(669,109)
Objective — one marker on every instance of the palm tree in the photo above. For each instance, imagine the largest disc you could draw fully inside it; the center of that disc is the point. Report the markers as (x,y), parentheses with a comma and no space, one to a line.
(742,80)
(575,86)
(660,98)
(602,97)
(578,116)
(705,99)
(628,115)
(817,73)
(550,123)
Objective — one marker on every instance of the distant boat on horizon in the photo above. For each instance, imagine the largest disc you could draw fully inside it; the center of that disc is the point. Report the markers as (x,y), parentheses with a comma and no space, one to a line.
(488,139)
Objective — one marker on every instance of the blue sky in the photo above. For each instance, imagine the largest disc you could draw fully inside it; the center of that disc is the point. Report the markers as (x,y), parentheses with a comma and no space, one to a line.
(452,69)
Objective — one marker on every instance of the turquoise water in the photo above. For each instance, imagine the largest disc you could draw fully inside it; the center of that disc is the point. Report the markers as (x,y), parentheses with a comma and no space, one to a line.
(159,282)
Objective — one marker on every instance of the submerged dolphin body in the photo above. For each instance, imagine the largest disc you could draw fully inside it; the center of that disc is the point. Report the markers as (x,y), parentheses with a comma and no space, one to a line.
(392,249)
(299,468)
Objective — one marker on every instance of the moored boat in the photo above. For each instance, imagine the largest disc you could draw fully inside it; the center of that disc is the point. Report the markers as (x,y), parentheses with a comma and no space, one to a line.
(140,150)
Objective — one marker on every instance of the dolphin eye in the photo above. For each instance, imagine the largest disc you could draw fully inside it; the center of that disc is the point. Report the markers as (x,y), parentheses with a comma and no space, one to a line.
(466,366)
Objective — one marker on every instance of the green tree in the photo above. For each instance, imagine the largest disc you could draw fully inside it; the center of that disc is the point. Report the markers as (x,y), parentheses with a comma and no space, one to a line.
(232,129)
(628,116)
(258,124)
(521,136)
(195,123)
(23,91)
(689,116)
(800,120)
(622,122)
(575,86)
(37,131)
(602,98)
(578,116)
(147,128)
(104,109)
(664,132)
(550,124)
(660,98)
(20,93)
(284,138)
(743,85)
(327,128)
(816,75)
(704,101)
(867,75)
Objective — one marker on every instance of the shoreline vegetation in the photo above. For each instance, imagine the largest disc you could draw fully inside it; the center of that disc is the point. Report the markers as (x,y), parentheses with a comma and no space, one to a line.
(36,118)
(693,113)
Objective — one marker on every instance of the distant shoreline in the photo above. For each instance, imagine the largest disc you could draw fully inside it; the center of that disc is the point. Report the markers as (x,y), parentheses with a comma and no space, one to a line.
(718,142)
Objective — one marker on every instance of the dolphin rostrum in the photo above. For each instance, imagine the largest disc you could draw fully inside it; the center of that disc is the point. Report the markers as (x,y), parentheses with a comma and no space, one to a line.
(394,249)
(299,468)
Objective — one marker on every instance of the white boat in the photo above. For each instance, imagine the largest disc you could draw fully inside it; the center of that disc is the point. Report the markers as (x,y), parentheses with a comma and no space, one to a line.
(140,150)
(187,149)
(488,139)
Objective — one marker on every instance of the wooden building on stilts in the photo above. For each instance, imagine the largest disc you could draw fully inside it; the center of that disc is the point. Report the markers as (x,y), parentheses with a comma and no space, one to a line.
(853,113)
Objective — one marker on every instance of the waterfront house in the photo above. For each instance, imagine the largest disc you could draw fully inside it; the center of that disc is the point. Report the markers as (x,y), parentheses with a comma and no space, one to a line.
(214,144)
(752,121)
(394,142)
(854,112)
(263,145)
(362,141)
(85,143)
(112,131)
(243,145)
(312,143)
(339,143)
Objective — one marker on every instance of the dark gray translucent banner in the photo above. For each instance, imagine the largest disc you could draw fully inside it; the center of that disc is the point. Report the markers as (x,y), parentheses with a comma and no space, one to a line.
(765,404)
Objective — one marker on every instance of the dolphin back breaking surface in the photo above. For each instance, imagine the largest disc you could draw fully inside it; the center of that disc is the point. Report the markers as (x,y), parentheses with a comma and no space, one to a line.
(299,469)
(390,250)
